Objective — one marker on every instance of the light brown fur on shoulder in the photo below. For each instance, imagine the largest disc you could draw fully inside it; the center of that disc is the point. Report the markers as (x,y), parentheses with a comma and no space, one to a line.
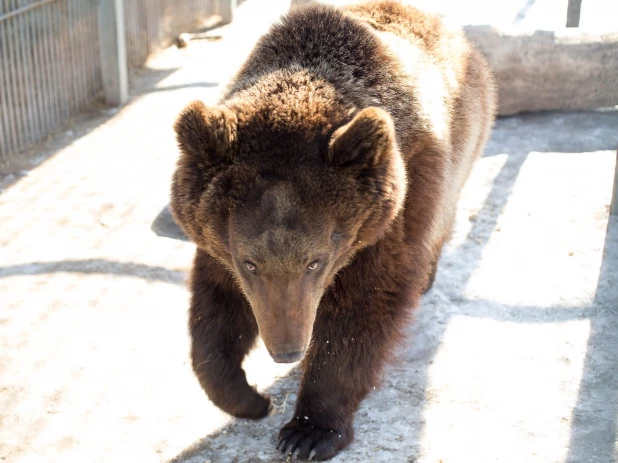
(320,192)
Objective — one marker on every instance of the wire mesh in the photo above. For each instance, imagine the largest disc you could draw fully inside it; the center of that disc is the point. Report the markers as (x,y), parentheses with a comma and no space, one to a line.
(153,24)
(48,67)
(50,61)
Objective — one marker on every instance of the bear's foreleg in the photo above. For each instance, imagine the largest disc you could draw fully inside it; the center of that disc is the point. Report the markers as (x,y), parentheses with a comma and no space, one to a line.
(222,329)
(354,335)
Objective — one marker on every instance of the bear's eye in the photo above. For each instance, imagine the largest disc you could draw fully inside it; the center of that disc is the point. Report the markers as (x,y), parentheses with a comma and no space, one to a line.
(313,265)
(250,266)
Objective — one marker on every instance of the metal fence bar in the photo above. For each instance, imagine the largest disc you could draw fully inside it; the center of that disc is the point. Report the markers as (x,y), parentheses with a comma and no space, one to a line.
(18,116)
(72,58)
(38,76)
(42,82)
(10,139)
(47,67)
(23,9)
(25,77)
(92,61)
(67,83)
(51,64)
(573,13)
(57,99)
(78,34)
(81,57)
(4,133)
(160,24)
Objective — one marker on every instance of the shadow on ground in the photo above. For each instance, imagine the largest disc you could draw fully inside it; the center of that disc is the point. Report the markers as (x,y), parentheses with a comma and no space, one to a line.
(96,266)
(595,417)
(164,225)
(171,88)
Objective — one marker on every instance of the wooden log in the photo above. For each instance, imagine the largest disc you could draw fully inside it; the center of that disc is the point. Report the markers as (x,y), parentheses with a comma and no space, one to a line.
(550,70)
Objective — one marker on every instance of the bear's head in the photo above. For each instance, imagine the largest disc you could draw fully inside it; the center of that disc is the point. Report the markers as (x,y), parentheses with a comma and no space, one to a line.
(283,211)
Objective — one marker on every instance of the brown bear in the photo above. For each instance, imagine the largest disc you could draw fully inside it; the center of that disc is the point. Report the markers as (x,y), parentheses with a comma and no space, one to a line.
(319,192)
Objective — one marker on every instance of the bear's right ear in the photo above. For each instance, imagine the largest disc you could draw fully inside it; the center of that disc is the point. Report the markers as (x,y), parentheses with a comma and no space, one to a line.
(207,134)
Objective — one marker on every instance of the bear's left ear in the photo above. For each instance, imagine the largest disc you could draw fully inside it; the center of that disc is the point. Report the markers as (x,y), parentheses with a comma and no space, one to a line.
(206,134)
(364,141)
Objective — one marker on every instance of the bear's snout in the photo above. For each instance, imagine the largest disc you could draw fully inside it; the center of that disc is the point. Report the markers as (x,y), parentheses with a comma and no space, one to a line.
(285,310)
(288,357)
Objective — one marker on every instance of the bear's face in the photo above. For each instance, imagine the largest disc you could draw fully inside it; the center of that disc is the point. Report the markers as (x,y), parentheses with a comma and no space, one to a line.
(284,229)
(285,252)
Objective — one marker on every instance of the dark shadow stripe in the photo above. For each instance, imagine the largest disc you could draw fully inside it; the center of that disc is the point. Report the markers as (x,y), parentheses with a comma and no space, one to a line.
(594,422)
(97,266)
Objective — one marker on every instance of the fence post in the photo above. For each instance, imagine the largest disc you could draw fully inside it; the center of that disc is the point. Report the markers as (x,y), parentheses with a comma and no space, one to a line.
(112,39)
(573,13)
(228,8)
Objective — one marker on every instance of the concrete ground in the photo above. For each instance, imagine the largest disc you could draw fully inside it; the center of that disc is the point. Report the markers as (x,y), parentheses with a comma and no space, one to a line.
(512,358)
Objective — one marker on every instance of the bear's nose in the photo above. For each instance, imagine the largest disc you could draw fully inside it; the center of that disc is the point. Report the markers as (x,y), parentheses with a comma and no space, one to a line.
(288,357)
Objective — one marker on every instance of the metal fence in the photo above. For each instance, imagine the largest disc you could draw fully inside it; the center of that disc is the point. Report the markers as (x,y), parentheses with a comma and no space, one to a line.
(50,59)
(48,66)
(150,25)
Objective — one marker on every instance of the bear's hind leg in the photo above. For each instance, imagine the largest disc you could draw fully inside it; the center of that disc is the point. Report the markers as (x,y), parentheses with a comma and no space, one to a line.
(223,329)
(433,271)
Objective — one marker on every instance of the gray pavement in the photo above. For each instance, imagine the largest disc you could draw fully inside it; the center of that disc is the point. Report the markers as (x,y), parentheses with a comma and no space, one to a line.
(512,357)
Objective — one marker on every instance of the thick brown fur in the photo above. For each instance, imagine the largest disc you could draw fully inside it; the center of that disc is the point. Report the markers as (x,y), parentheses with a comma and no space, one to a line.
(320,192)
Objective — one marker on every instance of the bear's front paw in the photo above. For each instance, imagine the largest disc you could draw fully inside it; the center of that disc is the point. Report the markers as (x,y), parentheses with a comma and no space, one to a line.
(252,406)
(309,442)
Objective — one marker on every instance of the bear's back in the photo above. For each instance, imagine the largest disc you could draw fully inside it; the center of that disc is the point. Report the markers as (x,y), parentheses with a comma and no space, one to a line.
(378,54)
(327,43)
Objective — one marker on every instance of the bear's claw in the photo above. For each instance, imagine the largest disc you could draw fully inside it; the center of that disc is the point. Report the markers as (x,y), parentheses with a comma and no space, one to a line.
(308,442)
